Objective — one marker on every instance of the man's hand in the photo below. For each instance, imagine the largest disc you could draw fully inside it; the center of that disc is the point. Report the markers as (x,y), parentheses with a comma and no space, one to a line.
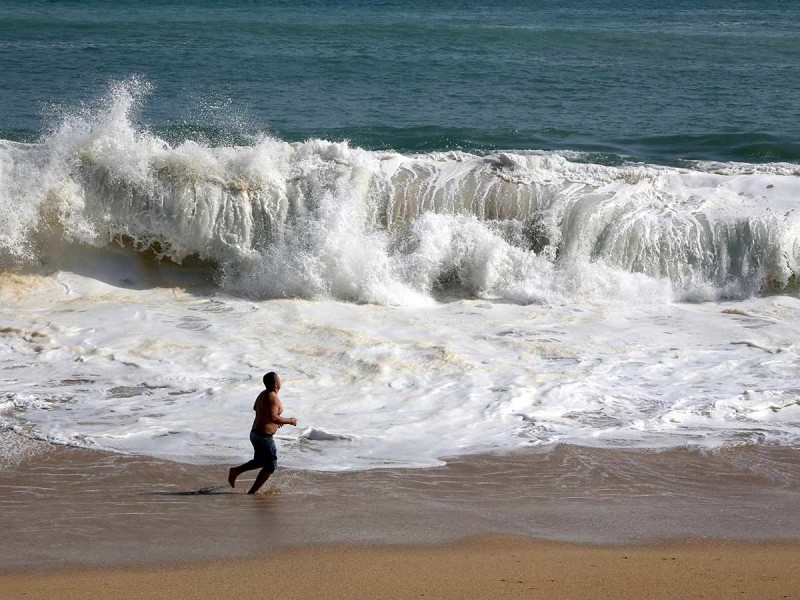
(293,421)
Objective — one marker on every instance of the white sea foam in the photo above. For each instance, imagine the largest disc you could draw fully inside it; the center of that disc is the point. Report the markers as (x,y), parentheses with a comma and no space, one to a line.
(417,307)
(170,373)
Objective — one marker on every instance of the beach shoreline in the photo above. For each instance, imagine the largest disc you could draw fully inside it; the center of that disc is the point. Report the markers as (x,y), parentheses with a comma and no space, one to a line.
(66,507)
(529,274)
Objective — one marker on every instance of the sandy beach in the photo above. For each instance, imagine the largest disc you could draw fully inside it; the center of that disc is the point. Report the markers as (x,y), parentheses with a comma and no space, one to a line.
(566,523)
(486,567)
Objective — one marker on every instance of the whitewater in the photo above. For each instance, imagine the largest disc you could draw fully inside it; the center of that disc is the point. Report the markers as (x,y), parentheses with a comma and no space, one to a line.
(417,307)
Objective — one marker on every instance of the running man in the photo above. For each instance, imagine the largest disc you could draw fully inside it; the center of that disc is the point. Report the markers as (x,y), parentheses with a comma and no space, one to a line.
(268,419)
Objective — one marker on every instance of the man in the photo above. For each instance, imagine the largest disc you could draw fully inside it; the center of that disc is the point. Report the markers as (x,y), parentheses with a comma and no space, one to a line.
(268,419)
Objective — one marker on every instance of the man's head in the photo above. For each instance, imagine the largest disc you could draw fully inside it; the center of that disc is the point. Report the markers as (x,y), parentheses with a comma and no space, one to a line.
(272,382)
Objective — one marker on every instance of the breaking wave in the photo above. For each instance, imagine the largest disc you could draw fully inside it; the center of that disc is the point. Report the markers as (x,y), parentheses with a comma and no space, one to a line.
(324,219)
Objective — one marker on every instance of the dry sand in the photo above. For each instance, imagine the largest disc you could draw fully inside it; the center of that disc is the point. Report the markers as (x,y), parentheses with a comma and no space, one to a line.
(485,567)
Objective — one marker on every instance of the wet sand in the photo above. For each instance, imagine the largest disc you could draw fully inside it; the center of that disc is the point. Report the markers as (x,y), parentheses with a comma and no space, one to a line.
(71,508)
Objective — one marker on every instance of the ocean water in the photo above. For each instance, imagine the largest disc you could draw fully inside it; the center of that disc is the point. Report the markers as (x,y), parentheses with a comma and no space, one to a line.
(453,229)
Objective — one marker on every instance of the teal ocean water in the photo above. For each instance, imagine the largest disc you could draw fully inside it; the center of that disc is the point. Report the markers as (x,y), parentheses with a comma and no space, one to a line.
(654,81)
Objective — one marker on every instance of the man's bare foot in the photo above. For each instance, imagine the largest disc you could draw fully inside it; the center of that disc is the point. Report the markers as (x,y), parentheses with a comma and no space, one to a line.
(232,475)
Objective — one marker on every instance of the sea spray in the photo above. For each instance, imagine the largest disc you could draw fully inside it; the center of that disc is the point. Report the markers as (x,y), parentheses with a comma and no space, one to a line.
(320,219)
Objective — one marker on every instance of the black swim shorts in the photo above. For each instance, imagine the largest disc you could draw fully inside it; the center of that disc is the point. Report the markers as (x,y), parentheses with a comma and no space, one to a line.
(265,450)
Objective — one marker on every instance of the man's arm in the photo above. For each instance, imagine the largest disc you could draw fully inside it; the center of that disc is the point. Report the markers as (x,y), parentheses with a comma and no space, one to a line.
(274,410)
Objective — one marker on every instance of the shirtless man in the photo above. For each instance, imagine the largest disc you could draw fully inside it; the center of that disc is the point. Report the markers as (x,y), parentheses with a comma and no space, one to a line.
(268,419)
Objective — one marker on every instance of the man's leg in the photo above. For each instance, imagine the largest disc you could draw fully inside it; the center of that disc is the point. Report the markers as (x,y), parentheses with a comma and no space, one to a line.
(234,472)
(263,475)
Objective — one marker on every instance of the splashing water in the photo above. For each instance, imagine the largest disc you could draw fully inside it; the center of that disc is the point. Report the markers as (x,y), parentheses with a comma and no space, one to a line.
(321,219)
(511,299)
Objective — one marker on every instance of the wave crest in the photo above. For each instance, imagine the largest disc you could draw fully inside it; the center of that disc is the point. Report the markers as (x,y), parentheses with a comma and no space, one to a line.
(321,218)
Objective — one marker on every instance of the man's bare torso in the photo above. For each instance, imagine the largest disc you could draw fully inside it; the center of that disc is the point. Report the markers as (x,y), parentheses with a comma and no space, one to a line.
(266,405)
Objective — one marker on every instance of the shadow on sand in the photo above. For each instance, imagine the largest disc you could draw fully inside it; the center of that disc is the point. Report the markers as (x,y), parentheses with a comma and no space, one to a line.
(213,490)
(217,490)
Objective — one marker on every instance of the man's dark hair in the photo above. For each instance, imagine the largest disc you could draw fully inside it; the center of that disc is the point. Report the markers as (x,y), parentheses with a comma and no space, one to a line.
(270,379)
